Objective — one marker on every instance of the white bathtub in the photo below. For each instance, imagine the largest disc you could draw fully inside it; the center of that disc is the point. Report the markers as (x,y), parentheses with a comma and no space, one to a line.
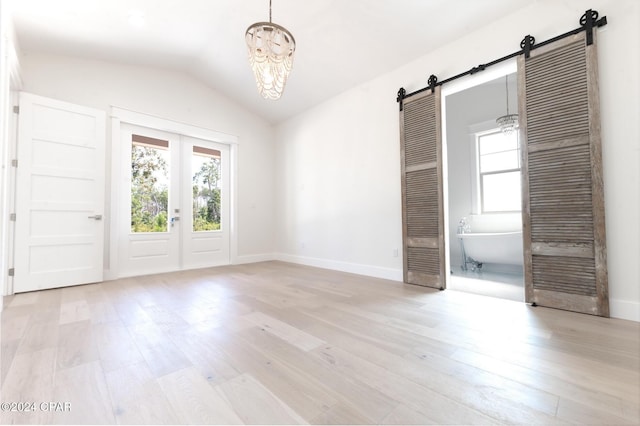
(499,247)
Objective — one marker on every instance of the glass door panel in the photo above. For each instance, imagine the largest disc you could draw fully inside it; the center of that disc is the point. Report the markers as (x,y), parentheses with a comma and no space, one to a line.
(150,161)
(206,188)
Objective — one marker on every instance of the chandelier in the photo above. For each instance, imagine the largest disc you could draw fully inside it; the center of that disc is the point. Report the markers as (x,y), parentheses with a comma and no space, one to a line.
(271,49)
(507,123)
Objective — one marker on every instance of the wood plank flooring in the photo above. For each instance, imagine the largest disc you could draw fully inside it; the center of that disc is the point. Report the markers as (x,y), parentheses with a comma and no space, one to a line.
(276,343)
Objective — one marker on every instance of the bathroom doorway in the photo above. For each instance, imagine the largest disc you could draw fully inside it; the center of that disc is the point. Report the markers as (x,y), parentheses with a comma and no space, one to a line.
(484,187)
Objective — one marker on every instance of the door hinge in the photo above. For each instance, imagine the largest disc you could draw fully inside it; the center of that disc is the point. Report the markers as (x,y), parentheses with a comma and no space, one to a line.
(14,163)
(12,272)
(16,109)
(12,217)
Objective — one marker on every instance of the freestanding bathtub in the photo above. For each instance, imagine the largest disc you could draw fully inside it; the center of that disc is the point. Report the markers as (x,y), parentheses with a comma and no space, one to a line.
(489,247)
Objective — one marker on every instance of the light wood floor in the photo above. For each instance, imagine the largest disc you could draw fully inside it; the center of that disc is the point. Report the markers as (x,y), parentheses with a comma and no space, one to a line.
(275,343)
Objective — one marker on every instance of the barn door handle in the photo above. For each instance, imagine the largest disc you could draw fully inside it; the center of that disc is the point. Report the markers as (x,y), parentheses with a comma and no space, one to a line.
(96,217)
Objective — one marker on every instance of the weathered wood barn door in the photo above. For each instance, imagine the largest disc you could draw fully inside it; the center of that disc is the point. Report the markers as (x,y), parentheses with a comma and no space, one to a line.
(563,198)
(422,196)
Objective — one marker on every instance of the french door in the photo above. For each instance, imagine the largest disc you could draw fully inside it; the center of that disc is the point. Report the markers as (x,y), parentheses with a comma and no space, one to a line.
(175,203)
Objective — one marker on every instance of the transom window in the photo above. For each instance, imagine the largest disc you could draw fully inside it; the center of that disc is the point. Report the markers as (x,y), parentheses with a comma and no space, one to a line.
(498,166)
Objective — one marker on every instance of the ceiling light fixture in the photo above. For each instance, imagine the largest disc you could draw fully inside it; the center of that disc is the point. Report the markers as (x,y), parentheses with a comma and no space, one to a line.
(507,123)
(271,48)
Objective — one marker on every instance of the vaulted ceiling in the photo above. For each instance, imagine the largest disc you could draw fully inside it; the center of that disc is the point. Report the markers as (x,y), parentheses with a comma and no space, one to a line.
(340,43)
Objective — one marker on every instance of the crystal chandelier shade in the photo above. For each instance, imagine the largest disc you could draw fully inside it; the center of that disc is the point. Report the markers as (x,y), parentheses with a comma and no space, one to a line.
(507,123)
(271,48)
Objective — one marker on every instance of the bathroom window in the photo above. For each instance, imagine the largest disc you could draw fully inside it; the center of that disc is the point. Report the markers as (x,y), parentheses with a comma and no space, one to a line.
(498,165)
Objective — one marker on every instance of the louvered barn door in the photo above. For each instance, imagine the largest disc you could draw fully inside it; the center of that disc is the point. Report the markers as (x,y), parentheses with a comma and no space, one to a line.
(422,206)
(563,199)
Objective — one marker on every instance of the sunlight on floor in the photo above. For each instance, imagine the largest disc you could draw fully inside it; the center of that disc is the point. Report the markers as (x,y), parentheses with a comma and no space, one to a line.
(486,283)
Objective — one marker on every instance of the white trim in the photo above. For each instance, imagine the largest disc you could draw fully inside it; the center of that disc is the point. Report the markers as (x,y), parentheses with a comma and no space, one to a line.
(484,126)
(254,258)
(624,309)
(121,115)
(12,188)
(233,200)
(337,265)
(144,272)
(10,83)
(111,267)
(445,187)
(166,125)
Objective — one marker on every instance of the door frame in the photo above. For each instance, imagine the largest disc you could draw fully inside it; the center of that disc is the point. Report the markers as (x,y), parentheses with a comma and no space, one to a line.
(121,115)
(10,87)
(497,71)
(8,193)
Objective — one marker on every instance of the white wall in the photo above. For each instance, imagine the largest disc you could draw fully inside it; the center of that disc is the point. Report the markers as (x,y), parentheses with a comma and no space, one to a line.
(338,164)
(178,97)
(337,182)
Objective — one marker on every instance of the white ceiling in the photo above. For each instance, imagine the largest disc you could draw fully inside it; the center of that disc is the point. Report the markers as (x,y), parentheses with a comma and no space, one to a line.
(340,43)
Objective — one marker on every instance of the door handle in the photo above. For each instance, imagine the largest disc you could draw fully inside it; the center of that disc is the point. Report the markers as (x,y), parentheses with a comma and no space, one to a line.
(96,217)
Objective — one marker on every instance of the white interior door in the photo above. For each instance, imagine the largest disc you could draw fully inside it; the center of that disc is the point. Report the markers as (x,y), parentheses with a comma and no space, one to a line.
(175,206)
(59,233)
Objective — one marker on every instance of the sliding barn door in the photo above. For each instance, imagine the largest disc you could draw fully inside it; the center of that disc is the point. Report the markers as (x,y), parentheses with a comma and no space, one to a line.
(422,199)
(563,200)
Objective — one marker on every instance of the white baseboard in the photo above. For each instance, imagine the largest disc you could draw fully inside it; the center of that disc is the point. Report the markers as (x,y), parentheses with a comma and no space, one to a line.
(144,272)
(109,275)
(253,258)
(624,309)
(354,268)
(621,309)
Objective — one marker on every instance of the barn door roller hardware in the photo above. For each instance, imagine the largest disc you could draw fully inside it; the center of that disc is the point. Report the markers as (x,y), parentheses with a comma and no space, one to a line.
(588,22)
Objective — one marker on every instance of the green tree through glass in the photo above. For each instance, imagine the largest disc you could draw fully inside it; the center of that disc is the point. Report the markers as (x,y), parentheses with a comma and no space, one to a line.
(206,194)
(149,189)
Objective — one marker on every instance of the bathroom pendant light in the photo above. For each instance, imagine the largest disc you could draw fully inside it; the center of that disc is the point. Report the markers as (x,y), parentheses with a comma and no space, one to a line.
(507,123)
(271,48)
